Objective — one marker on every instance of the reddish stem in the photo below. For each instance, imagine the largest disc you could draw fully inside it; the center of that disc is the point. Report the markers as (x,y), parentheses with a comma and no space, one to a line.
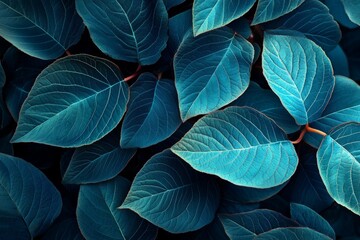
(68,53)
(300,138)
(134,75)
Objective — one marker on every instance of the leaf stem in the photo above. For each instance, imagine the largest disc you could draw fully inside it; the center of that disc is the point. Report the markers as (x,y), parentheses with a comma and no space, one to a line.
(306,129)
(300,138)
(134,75)
(68,53)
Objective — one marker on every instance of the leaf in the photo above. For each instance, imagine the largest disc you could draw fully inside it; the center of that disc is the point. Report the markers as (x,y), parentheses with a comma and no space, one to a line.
(240,145)
(307,217)
(312,18)
(172,3)
(250,224)
(5,145)
(29,201)
(211,14)
(300,75)
(99,217)
(292,233)
(339,61)
(40,28)
(65,230)
(212,231)
(241,26)
(344,106)
(352,9)
(171,195)
(207,71)
(153,113)
(339,165)
(137,30)
(336,8)
(269,104)
(5,117)
(75,101)
(21,70)
(98,162)
(352,49)
(267,10)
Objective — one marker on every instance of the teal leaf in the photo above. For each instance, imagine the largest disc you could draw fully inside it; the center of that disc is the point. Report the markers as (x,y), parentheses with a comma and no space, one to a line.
(211,71)
(267,10)
(137,30)
(75,101)
(98,162)
(344,106)
(153,114)
(339,61)
(269,104)
(211,14)
(241,26)
(352,9)
(29,201)
(336,8)
(339,165)
(240,145)
(292,233)
(307,217)
(299,74)
(65,230)
(42,29)
(311,18)
(352,49)
(171,195)
(172,3)
(99,218)
(248,225)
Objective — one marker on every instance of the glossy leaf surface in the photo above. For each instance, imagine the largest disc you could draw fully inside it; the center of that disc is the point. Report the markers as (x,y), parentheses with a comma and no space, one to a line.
(40,28)
(153,113)
(99,217)
(137,30)
(240,145)
(170,194)
(75,101)
(207,71)
(299,74)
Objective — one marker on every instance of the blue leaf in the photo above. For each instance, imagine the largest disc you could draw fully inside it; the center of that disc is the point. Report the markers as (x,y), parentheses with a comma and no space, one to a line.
(339,165)
(306,186)
(99,217)
(250,224)
(211,71)
(21,71)
(339,61)
(269,104)
(153,113)
(98,162)
(75,101)
(40,28)
(351,46)
(241,26)
(179,27)
(300,74)
(170,194)
(240,145)
(137,30)
(172,3)
(336,8)
(29,201)
(65,230)
(267,10)
(212,14)
(344,106)
(292,233)
(352,9)
(307,217)
(312,18)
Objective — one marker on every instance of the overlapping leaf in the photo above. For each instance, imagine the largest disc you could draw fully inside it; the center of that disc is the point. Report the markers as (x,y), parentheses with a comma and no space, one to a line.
(170,194)
(75,101)
(211,71)
(292,233)
(240,145)
(336,8)
(153,113)
(352,9)
(339,165)
(300,73)
(40,28)
(134,31)
(339,61)
(29,201)
(212,14)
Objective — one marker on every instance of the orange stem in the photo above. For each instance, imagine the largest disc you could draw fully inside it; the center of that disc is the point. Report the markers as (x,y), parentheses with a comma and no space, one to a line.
(135,74)
(302,134)
(314,130)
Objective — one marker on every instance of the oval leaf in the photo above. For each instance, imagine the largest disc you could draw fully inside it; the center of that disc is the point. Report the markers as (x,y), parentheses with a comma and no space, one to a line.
(211,71)
(292,233)
(170,194)
(267,10)
(99,217)
(211,14)
(137,30)
(300,74)
(98,162)
(153,113)
(75,101)
(339,165)
(29,201)
(40,28)
(240,145)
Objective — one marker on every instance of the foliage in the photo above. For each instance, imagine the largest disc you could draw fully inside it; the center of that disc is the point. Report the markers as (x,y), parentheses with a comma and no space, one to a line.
(179,119)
